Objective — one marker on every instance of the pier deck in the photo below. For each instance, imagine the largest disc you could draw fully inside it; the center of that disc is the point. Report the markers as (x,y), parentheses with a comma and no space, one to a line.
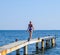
(19,44)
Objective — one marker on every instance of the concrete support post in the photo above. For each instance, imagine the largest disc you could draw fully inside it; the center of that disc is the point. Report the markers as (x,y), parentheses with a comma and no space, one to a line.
(53,42)
(25,50)
(42,44)
(17,52)
(36,47)
(47,43)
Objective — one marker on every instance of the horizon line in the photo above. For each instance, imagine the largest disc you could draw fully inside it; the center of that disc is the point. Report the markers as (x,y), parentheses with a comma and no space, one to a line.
(25,29)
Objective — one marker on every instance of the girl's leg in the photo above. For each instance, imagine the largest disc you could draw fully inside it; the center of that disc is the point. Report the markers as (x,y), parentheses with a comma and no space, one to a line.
(30,35)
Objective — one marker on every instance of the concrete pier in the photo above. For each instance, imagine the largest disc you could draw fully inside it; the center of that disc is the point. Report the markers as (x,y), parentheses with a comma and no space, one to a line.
(4,50)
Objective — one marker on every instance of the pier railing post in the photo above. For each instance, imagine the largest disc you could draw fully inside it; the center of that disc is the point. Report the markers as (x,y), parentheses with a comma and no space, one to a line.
(42,44)
(25,50)
(53,42)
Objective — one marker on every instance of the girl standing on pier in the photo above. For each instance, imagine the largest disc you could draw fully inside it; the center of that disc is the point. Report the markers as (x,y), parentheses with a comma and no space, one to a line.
(30,29)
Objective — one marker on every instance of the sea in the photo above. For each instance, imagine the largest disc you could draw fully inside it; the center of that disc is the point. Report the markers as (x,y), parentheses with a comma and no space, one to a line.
(9,36)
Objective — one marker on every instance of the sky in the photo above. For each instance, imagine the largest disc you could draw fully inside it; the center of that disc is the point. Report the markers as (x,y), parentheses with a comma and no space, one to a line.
(16,14)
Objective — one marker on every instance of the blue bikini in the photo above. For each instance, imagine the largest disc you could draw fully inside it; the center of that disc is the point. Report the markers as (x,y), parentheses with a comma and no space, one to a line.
(30,28)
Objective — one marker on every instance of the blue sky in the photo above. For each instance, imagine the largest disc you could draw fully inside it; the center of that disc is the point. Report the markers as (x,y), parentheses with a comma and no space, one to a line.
(16,14)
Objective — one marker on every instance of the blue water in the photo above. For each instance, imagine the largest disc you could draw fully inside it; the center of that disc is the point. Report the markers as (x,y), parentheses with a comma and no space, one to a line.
(9,36)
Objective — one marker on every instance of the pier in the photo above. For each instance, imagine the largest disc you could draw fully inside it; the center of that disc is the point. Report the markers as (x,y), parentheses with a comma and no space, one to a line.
(15,46)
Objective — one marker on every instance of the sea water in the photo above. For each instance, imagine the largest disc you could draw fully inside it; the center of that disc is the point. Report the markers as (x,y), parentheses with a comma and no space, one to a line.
(9,36)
